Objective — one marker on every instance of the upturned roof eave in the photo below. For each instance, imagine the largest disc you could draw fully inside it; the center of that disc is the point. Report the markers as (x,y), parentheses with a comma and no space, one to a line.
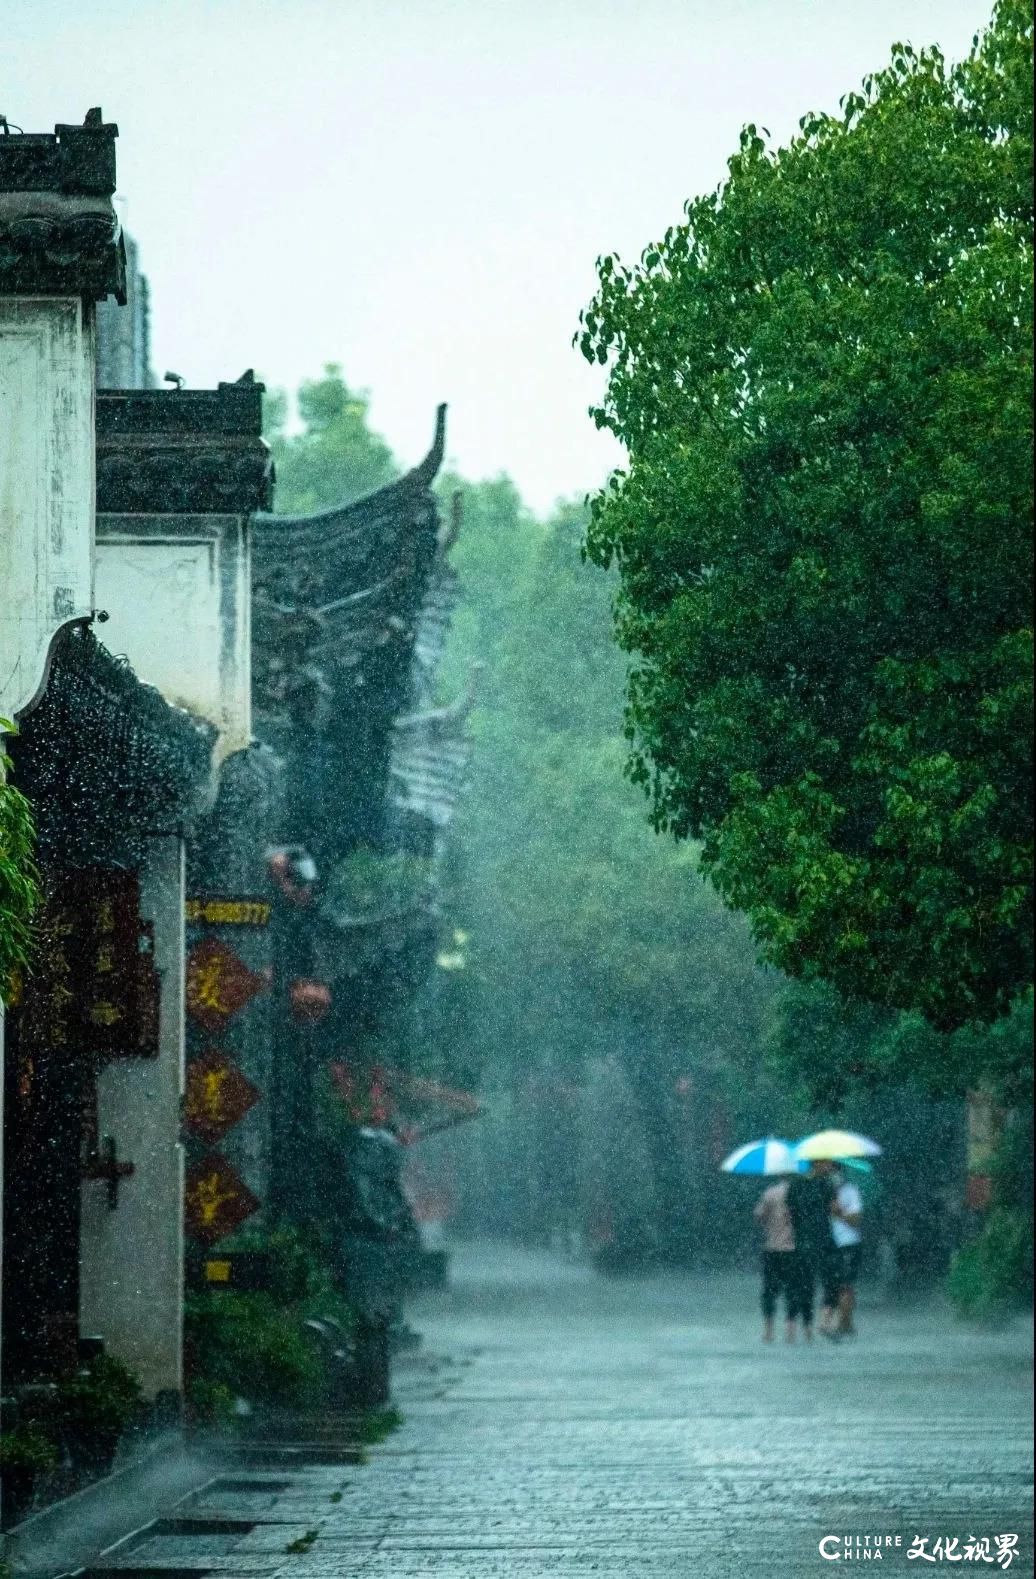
(327,526)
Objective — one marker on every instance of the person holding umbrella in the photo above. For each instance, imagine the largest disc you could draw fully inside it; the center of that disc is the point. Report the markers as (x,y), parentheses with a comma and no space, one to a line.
(837,1248)
(810,1198)
(768,1158)
(846,1231)
(771,1213)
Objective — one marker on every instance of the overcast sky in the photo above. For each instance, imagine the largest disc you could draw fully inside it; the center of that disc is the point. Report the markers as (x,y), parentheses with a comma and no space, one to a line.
(418,188)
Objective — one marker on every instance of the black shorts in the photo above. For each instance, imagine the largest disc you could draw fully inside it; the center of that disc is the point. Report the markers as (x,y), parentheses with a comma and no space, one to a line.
(841,1270)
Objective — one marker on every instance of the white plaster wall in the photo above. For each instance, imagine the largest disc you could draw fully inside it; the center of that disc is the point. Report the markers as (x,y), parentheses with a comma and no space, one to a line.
(132,1258)
(46,483)
(47,491)
(177,590)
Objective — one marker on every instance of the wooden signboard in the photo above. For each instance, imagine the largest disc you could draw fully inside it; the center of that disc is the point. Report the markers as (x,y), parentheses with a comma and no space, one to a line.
(93,980)
(223,910)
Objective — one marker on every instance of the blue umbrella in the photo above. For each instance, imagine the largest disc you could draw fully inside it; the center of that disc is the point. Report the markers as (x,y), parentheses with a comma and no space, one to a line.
(764,1157)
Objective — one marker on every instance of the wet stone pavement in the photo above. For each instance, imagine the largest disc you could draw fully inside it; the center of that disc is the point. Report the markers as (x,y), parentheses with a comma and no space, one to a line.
(558,1424)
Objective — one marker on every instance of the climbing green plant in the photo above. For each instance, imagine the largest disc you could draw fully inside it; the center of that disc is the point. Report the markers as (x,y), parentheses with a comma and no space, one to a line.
(992,1275)
(19,886)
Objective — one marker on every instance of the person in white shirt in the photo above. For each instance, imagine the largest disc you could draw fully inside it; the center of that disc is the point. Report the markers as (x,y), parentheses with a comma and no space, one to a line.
(847,1248)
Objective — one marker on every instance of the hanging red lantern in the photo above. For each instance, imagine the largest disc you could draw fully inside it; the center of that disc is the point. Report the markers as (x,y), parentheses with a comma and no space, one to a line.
(310,1000)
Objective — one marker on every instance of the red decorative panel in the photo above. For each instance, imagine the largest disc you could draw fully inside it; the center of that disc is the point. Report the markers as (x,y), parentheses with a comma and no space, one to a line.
(219,984)
(217,1199)
(218,1096)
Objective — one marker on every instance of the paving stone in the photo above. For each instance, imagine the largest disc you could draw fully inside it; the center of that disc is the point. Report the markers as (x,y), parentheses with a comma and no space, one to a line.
(558,1426)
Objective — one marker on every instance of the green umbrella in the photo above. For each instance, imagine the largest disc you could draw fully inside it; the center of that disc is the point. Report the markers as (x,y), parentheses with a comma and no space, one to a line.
(870,1189)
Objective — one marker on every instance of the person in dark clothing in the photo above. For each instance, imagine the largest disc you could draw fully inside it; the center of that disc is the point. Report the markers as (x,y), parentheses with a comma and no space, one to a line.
(809,1199)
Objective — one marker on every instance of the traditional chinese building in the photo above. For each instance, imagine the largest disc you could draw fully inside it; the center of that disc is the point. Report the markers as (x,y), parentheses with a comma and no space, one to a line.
(95,1032)
(61,252)
(117,771)
(338,598)
(428,771)
(180,473)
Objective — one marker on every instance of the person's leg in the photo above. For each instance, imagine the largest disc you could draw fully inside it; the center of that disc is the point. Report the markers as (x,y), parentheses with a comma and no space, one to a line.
(771,1286)
(785,1279)
(804,1273)
(830,1277)
(847,1292)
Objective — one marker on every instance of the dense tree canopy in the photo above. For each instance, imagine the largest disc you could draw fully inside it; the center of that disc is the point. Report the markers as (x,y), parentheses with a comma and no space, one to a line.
(589,936)
(837,1051)
(822,380)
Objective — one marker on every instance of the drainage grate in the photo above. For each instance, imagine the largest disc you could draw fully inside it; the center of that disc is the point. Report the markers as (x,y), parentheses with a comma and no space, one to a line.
(242,1487)
(142,1573)
(239,1528)
(303,1454)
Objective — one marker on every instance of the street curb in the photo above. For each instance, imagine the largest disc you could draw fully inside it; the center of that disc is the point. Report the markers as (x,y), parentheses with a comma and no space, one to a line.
(64,1537)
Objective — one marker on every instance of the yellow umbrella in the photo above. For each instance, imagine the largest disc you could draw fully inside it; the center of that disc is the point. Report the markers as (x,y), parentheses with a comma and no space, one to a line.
(833,1145)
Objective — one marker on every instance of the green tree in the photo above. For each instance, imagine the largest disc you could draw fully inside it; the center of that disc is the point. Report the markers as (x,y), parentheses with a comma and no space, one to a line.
(334,458)
(588,937)
(822,379)
(836,1050)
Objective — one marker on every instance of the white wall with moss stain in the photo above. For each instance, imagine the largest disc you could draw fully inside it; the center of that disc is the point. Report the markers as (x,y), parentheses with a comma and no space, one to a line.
(46,484)
(177,592)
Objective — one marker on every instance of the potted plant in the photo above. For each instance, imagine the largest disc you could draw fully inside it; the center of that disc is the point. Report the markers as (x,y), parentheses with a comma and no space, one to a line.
(25,1453)
(96,1407)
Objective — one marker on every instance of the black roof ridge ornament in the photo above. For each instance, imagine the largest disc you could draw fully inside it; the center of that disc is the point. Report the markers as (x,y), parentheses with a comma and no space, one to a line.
(59,231)
(419,476)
